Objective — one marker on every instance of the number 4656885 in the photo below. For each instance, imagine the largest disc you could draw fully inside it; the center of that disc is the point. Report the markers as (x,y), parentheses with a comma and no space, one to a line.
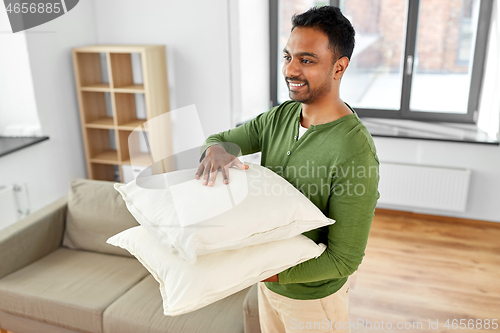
(32,7)
(472,324)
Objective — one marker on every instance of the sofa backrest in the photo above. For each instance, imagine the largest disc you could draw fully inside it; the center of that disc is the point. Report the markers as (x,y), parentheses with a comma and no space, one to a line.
(95,212)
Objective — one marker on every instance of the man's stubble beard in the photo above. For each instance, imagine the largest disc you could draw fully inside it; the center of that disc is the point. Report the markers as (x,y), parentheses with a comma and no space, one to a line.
(312,96)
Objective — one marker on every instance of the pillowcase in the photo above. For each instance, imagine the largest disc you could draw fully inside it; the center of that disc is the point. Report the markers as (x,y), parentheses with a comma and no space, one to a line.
(257,206)
(187,287)
(95,213)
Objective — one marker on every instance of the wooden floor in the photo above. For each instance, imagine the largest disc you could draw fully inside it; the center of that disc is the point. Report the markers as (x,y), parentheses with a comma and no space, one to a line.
(419,268)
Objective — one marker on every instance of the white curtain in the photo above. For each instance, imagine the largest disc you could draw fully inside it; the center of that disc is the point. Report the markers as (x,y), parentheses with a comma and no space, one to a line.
(489,104)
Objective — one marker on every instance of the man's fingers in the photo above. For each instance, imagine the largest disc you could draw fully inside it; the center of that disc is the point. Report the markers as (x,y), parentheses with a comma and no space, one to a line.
(239,164)
(206,174)
(213,176)
(212,164)
(199,172)
(225,174)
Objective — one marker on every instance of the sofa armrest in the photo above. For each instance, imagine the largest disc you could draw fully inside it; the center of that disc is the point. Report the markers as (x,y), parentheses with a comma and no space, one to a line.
(32,237)
(251,311)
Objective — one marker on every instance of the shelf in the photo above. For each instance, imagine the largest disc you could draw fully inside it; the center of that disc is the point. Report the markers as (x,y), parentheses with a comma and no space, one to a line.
(102,87)
(113,83)
(103,123)
(130,145)
(142,159)
(130,109)
(89,70)
(132,125)
(104,171)
(106,157)
(96,106)
(134,89)
(100,146)
(122,72)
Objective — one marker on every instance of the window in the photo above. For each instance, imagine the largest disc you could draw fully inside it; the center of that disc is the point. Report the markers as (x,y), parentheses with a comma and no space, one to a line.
(413,59)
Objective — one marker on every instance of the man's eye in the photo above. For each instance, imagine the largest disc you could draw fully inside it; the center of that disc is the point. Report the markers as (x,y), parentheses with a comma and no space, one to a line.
(286,57)
(305,61)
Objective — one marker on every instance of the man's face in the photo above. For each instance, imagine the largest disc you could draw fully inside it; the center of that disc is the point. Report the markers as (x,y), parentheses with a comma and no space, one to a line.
(308,67)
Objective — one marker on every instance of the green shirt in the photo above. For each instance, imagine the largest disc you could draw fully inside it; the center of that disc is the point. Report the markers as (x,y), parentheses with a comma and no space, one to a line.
(335,165)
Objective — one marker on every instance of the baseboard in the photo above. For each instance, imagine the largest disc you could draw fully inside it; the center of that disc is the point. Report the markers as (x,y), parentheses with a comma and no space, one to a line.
(438,218)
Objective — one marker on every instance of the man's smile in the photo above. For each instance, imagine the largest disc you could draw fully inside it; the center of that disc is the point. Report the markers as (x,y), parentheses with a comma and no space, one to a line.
(295,86)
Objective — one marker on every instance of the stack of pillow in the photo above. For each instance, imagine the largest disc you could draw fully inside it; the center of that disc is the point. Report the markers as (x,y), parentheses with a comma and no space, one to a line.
(205,243)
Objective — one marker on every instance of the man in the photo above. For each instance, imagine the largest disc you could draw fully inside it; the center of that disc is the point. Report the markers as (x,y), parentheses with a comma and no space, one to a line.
(318,132)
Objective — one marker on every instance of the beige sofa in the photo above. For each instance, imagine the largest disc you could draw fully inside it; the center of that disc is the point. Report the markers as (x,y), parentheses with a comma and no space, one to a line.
(58,275)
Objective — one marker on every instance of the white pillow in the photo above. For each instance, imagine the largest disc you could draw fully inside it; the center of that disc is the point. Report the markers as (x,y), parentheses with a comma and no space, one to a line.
(257,206)
(187,287)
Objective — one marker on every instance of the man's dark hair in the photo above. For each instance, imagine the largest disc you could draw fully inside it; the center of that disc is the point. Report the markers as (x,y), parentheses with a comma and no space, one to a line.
(334,24)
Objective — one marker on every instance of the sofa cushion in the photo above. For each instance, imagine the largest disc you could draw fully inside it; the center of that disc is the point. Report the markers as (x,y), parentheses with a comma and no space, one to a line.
(95,213)
(69,288)
(14,323)
(140,310)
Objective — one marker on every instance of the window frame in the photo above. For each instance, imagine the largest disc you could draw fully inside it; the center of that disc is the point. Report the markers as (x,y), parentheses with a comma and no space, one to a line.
(478,63)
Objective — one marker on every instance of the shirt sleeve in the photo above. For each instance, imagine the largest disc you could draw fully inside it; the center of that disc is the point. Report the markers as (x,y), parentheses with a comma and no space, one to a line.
(352,201)
(242,140)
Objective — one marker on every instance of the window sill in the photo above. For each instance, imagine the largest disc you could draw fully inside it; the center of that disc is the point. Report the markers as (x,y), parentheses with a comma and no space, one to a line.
(11,144)
(436,131)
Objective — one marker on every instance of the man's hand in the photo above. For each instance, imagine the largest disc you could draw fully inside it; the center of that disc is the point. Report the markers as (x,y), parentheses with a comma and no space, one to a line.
(273,278)
(216,158)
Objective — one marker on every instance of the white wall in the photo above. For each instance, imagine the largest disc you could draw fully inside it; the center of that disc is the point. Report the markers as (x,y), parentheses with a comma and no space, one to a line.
(249,55)
(47,167)
(253,56)
(196,34)
(483,160)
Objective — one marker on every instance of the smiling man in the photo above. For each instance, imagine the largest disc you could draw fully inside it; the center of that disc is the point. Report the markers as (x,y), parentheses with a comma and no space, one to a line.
(318,144)
(312,71)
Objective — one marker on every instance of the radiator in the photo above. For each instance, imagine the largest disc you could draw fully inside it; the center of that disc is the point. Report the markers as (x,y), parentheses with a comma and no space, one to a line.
(8,206)
(424,186)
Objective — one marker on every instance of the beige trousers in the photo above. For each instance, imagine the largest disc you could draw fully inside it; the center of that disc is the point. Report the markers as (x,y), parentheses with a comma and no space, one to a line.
(280,314)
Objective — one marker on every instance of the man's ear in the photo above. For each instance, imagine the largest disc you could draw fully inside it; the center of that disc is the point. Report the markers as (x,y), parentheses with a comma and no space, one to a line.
(340,67)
